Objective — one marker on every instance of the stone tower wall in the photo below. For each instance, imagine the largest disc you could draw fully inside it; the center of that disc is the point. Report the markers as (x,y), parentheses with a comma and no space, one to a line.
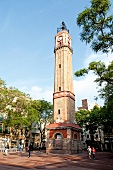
(63,70)
(66,105)
(63,97)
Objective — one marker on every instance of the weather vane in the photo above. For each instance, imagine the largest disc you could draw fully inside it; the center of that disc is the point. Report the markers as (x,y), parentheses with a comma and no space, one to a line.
(63,27)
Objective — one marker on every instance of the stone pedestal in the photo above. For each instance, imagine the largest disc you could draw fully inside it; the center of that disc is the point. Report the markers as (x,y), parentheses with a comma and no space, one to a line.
(63,138)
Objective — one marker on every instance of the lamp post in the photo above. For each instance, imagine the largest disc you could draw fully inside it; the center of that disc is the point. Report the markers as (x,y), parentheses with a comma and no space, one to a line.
(99,130)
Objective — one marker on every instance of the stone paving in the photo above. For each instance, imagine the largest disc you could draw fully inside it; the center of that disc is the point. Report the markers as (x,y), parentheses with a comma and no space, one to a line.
(43,161)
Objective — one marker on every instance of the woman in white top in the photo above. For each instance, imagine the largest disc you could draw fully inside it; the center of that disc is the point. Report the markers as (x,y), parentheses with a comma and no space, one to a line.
(89,152)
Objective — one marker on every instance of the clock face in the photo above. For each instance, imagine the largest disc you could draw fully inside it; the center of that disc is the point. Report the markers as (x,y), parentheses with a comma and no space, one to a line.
(59,38)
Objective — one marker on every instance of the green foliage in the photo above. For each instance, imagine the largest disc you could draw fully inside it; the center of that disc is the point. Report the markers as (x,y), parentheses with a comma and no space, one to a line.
(44,110)
(94,118)
(31,116)
(12,99)
(17,110)
(90,120)
(104,76)
(102,116)
(81,72)
(82,116)
(97,27)
(97,30)
(14,119)
(107,114)
(89,117)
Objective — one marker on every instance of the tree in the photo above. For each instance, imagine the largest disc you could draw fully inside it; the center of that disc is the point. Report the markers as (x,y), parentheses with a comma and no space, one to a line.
(107,120)
(81,117)
(30,119)
(97,30)
(97,26)
(104,76)
(44,110)
(15,109)
(94,121)
(3,94)
(90,120)
(19,112)
(12,99)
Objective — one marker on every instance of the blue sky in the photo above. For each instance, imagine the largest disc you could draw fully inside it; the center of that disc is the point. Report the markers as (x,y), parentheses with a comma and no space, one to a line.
(27,31)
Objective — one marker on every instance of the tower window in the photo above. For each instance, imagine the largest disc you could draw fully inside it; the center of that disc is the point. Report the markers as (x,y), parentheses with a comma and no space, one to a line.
(59,65)
(59,88)
(59,111)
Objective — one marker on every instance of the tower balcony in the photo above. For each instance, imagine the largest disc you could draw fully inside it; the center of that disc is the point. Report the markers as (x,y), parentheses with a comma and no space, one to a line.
(61,46)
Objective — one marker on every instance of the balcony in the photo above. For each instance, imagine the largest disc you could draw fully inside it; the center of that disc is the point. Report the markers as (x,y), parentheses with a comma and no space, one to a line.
(63,45)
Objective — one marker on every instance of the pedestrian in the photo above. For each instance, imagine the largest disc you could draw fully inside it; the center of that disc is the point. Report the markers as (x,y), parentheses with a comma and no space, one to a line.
(3,148)
(26,148)
(30,149)
(89,152)
(6,150)
(93,152)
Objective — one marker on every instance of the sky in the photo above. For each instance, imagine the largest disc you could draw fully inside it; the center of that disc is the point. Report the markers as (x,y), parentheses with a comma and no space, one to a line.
(27,40)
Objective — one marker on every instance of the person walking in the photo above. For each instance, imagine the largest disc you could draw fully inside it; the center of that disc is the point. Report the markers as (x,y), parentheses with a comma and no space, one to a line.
(30,149)
(89,152)
(93,152)
(3,148)
(6,150)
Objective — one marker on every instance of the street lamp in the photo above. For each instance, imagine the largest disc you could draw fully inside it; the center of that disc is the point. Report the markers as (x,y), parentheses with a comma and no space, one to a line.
(99,130)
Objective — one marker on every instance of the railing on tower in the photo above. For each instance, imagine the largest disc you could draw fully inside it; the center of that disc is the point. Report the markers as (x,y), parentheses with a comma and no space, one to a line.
(62,45)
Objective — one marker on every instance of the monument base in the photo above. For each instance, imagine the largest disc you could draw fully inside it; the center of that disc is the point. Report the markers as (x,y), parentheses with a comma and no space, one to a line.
(63,138)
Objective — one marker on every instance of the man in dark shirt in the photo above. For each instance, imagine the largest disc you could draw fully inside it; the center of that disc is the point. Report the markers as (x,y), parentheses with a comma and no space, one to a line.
(30,149)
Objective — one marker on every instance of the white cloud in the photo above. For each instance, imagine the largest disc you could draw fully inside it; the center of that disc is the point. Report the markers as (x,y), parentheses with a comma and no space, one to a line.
(86,88)
(36,92)
(107,58)
(40,93)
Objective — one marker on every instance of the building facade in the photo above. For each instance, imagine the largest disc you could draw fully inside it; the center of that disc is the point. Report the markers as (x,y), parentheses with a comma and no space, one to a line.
(87,105)
(102,140)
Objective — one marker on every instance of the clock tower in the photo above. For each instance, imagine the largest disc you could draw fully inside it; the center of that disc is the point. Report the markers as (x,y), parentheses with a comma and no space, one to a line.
(63,135)
(63,97)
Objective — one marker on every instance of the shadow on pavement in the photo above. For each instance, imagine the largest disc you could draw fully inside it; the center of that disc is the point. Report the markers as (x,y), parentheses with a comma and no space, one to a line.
(43,161)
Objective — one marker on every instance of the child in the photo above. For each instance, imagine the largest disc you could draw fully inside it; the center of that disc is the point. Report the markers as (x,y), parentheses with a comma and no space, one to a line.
(93,152)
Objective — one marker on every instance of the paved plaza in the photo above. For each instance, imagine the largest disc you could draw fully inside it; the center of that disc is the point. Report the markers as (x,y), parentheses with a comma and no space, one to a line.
(43,161)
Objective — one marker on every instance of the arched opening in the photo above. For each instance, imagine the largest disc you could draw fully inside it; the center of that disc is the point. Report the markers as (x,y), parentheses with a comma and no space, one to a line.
(58,136)
(75,136)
